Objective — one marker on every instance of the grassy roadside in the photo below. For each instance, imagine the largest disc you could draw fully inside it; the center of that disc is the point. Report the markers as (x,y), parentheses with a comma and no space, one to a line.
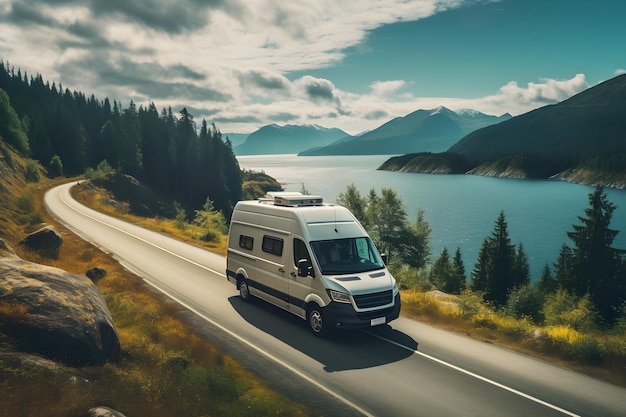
(166,369)
(600,355)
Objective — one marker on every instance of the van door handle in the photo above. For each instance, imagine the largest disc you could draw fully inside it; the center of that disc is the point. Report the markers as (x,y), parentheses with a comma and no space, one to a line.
(293,274)
(281,269)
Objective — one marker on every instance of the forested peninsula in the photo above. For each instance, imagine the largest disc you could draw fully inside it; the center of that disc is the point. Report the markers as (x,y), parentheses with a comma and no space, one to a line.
(580,140)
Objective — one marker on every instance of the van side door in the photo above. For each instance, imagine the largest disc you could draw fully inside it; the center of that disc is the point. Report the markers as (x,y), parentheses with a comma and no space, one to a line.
(299,286)
(272,278)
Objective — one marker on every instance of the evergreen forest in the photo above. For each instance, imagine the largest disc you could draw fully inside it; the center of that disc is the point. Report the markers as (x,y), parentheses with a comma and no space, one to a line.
(68,133)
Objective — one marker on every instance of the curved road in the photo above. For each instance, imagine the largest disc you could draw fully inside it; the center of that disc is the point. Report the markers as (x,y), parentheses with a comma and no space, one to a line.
(406,369)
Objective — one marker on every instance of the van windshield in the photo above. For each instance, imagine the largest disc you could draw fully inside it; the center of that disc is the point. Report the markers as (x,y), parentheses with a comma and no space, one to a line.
(347,256)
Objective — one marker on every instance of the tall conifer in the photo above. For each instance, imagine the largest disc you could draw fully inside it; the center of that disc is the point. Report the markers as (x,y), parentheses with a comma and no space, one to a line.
(593,266)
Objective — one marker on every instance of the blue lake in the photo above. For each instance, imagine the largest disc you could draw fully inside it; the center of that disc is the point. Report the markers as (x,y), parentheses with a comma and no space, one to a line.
(461,209)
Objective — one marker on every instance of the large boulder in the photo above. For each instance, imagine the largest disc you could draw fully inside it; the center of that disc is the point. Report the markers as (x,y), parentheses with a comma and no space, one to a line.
(102,411)
(58,315)
(46,241)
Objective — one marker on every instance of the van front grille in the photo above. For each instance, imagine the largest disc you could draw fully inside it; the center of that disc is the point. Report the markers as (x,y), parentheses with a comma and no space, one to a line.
(372,300)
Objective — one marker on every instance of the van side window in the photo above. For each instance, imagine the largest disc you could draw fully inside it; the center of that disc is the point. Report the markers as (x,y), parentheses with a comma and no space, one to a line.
(273,245)
(246,242)
(300,251)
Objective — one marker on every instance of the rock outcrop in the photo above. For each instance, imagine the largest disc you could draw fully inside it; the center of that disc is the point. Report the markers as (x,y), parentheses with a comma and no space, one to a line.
(96,274)
(54,313)
(46,241)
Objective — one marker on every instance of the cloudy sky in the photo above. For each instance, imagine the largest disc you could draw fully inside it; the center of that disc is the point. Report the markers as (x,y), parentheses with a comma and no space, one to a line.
(351,64)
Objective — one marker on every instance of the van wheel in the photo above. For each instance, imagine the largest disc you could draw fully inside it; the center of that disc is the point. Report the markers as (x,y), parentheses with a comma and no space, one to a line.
(244,291)
(315,318)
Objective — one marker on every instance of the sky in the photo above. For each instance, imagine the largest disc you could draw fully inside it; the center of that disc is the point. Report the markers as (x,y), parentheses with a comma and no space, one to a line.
(348,64)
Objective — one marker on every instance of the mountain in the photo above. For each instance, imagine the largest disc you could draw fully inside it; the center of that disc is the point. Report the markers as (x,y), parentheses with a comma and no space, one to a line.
(581,139)
(590,122)
(423,130)
(274,139)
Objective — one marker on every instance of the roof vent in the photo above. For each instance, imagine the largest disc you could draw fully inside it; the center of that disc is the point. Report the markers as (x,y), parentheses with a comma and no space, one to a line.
(294,199)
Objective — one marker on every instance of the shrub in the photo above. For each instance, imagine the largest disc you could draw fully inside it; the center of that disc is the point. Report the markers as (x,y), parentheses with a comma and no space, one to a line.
(410,278)
(520,327)
(28,209)
(575,344)
(55,167)
(565,309)
(31,173)
(524,301)
(211,221)
(26,202)
(471,304)
(181,217)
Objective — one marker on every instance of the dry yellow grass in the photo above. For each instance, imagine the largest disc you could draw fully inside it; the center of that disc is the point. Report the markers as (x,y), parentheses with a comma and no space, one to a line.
(597,354)
(100,200)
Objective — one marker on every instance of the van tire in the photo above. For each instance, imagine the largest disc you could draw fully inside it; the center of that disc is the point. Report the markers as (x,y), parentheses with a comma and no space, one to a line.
(244,290)
(316,321)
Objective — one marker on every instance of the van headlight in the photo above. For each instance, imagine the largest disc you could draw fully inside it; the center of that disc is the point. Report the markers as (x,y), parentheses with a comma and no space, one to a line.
(339,297)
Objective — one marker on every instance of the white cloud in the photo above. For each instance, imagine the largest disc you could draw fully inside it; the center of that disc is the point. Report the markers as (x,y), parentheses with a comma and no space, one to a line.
(385,88)
(228,60)
(520,100)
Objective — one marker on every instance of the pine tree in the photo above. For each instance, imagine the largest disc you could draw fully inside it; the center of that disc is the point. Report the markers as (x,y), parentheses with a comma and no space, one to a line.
(503,262)
(593,266)
(547,283)
(481,274)
(441,271)
(459,279)
(521,270)
(495,272)
(448,274)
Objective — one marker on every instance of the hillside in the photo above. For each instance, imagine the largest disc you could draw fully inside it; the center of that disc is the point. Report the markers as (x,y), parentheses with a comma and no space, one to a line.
(19,175)
(582,139)
(288,139)
(432,130)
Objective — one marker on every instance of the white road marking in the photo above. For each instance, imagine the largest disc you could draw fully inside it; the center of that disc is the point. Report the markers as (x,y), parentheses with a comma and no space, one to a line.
(474,375)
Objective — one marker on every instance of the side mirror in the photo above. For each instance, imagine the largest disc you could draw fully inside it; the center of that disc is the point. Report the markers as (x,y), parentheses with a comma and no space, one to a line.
(384,258)
(305,268)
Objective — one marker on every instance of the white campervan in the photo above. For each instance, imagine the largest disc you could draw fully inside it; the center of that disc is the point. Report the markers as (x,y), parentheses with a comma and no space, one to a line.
(312,259)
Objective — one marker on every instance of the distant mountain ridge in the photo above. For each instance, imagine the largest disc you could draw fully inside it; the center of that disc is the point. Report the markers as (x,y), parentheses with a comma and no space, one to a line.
(423,130)
(288,139)
(432,130)
(582,140)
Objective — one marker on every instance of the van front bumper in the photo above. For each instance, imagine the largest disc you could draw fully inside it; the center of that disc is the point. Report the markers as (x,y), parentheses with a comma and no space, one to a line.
(343,316)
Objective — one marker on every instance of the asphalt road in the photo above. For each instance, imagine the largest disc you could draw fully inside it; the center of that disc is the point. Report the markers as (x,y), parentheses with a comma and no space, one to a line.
(405,369)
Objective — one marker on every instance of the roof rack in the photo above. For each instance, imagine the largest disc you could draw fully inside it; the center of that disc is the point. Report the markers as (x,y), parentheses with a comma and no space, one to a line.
(292,199)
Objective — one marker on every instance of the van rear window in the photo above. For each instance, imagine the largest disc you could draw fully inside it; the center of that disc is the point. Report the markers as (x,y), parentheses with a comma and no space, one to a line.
(273,245)
(246,242)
